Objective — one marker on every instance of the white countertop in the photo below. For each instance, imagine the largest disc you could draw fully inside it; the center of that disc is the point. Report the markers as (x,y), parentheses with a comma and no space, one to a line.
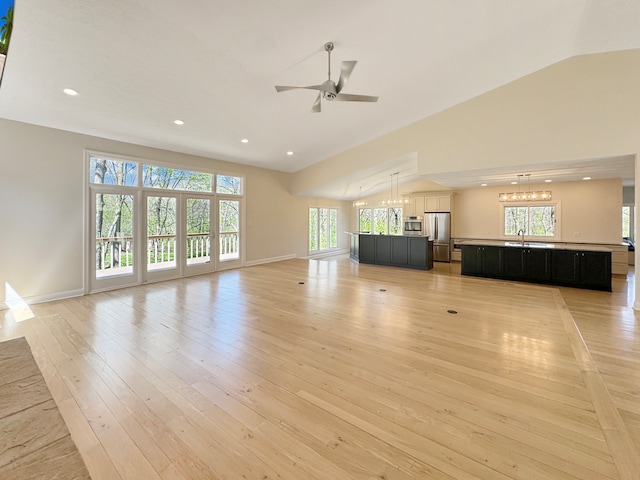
(549,246)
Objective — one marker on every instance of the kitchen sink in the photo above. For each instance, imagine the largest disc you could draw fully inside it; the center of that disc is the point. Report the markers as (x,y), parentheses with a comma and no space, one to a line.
(529,244)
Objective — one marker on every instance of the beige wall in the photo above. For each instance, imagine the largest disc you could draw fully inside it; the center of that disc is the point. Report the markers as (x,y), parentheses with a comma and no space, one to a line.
(592,209)
(42,213)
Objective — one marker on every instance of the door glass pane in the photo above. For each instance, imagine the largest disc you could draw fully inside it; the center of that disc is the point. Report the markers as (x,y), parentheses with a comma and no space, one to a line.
(229,221)
(198,231)
(161,233)
(114,235)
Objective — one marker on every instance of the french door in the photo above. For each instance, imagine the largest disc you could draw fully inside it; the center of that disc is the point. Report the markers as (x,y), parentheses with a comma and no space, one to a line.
(149,236)
(114,255)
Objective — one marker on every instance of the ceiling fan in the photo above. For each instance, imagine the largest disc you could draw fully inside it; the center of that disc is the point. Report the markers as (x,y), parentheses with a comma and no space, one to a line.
(331,91)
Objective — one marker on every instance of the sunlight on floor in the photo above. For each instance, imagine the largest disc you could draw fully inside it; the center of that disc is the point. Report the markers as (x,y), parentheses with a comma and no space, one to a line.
(18,307)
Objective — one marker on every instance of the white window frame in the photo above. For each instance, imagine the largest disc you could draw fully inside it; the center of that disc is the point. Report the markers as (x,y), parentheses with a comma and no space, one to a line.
(371,210)
(330,248)
(556,237)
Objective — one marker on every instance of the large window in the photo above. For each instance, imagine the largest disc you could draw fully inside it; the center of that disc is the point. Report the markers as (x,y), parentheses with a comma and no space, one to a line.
(535,221)
(323,229)
(153,222)
(381,221)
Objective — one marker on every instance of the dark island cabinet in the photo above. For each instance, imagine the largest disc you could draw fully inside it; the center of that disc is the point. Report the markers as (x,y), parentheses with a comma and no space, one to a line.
(395,250)
(471,260)
(513,262)
(484,261)
(583,269)
(537,264)
(367,249)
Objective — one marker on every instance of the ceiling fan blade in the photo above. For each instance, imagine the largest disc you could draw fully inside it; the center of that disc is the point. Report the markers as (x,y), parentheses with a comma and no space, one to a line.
(316,105)
(280,88)
(347,97)
(345,73)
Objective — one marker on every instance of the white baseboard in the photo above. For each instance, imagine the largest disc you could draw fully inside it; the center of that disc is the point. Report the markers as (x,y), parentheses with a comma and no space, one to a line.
(332,253)
(50,297)
(269,260)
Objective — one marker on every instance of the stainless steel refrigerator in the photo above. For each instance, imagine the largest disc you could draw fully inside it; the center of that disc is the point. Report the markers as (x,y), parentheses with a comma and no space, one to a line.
(437,226)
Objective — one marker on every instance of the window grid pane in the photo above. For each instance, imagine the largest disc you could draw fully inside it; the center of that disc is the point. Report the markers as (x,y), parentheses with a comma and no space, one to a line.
(333,226)
(395,221)
(380,217)
(541,221)
(365,220)
(112,172)
(228,184)
(176,179)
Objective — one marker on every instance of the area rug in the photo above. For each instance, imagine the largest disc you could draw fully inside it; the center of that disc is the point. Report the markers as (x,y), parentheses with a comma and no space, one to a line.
(34,440)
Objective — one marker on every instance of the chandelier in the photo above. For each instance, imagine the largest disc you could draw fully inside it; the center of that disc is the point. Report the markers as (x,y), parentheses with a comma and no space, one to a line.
(394,200)
(359,202)
(528,196)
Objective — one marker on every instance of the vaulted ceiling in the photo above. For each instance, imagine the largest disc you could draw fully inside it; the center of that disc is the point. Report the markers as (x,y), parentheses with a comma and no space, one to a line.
(140,65)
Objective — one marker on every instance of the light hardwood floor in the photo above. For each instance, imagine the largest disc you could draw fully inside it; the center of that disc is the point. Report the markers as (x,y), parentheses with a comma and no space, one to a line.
(326,369)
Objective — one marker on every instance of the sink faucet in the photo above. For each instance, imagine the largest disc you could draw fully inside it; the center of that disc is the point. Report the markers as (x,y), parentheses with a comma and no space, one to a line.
(521,232)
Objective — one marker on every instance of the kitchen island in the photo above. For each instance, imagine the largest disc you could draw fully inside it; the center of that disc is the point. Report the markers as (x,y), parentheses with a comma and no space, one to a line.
(392,250)
(579,265)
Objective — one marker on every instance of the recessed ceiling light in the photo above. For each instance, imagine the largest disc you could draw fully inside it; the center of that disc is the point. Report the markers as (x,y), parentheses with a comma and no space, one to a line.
(483,185)
(548,181)
(245,140)
(70,91)
(586,178)
(514,183)
(178,122)
(289,153)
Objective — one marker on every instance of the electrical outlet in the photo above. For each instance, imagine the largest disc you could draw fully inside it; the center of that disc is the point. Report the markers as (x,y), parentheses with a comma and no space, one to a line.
(576,234)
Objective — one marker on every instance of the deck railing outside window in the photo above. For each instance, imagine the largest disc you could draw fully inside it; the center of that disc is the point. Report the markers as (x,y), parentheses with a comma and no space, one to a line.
(114,255)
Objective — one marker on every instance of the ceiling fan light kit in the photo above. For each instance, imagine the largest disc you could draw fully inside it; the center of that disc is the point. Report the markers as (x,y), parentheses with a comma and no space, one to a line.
(329,90)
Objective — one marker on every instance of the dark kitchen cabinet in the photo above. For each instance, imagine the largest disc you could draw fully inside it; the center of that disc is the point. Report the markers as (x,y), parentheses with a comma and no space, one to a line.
(399,250)
(367,249)
(481,260)
(418,256)
(572,268)
(383,249)
(513,263)
(531,264)
(586,269)
(471,260)
(537,266)
(395,250)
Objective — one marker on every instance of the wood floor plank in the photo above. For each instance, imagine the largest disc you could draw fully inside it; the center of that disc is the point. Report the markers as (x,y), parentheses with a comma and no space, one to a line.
(329,369)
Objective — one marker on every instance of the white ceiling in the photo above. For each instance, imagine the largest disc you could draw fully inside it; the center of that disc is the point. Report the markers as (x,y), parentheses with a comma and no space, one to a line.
(139,65)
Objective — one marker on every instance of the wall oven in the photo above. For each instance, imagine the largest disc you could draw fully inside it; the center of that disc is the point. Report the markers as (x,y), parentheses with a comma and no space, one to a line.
(413,225)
